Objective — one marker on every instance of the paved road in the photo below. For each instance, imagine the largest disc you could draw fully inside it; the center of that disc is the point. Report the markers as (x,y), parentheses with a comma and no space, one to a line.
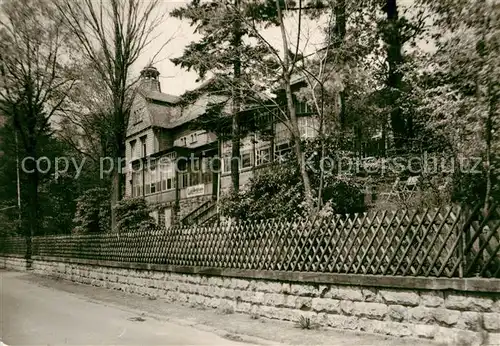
(34,315)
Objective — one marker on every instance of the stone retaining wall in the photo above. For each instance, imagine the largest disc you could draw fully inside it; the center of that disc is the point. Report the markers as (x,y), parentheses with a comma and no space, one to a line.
(13,263)
(450,317)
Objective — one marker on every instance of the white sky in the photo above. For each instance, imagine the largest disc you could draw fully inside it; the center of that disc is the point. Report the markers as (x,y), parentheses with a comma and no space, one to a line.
(175,80)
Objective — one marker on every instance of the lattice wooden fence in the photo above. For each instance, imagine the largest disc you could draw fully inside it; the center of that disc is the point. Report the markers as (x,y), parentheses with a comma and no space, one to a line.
(443,242)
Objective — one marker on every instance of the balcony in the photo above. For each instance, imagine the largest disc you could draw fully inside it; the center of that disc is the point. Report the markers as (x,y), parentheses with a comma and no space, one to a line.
(161,197)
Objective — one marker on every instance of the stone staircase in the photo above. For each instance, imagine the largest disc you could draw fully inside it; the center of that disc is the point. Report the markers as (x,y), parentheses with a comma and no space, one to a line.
(204,214)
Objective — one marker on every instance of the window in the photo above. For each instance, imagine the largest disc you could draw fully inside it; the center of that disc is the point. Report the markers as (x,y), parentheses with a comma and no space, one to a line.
(246,160)
(281,133)
(227,163)
(143,146)
(136,116)
(153,179)
(148,182)
(206,170)
(263,156)
(184,177)
(307,127)
(136,184)
(133,145)
(302,107)
(194,138)
(281,151)
(167,174)
(183,141)
(195,173)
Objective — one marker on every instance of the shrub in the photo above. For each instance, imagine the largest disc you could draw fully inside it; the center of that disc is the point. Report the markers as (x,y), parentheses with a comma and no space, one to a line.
(133,214)
(345,197)
(93,212)
(273,192)
(277,192)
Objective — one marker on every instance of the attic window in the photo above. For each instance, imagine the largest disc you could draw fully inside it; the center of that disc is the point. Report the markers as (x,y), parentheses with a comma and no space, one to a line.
(137,118)
(194,138)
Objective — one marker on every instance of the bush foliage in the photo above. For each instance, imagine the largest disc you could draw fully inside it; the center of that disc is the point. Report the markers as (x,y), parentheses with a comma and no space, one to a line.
(277,192)
(93,212)
(133,214)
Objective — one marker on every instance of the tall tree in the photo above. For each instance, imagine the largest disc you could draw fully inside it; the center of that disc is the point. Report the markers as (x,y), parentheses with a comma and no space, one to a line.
(224,53)
(397,30)
(462,92)
(36,79)
(112,34)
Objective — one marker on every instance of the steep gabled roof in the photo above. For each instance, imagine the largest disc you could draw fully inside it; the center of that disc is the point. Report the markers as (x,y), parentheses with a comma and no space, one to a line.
(192,111)
(161,97)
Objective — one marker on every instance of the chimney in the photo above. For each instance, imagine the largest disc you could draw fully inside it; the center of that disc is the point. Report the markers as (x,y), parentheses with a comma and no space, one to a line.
(149,79)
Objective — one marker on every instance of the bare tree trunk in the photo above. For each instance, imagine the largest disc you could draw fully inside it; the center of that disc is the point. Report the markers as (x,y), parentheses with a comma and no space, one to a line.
(340,32)
(489,132)
(293,116)
(236,101)
(32,206)
(392,37)
(115,198)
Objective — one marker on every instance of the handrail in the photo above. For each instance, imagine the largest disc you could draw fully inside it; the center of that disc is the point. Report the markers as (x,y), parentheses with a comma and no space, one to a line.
(193,214)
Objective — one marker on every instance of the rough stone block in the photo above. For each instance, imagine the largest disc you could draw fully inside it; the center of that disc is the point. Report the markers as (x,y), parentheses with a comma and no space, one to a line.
(347,307)
(405,298)
(172,296)
(421,314)
(303,303)
(468,303)
(491,339)
(370,294)
(255,297)
(290,301)
(158,275)
(348,293)
(169,285)
(496,306)
(266,287)
(274,299)
(228,293)
(424,330)
(492,322)
(452,336)
(239,284)
(326,305)
(370,310)
(244,307)
(446,317)
(193,279)
(343,322)
(200,300)
(471,320)
(227,282)
(398,313)
(396,329)
(304,290)
(182,287)
(263,310)
(215,281)
(286,288)
(432,299)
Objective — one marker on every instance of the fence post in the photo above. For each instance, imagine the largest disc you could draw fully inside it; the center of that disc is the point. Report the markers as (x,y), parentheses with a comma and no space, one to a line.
(461,231)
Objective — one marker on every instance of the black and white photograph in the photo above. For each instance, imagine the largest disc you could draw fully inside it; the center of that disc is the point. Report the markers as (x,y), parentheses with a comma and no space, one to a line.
(250,172)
